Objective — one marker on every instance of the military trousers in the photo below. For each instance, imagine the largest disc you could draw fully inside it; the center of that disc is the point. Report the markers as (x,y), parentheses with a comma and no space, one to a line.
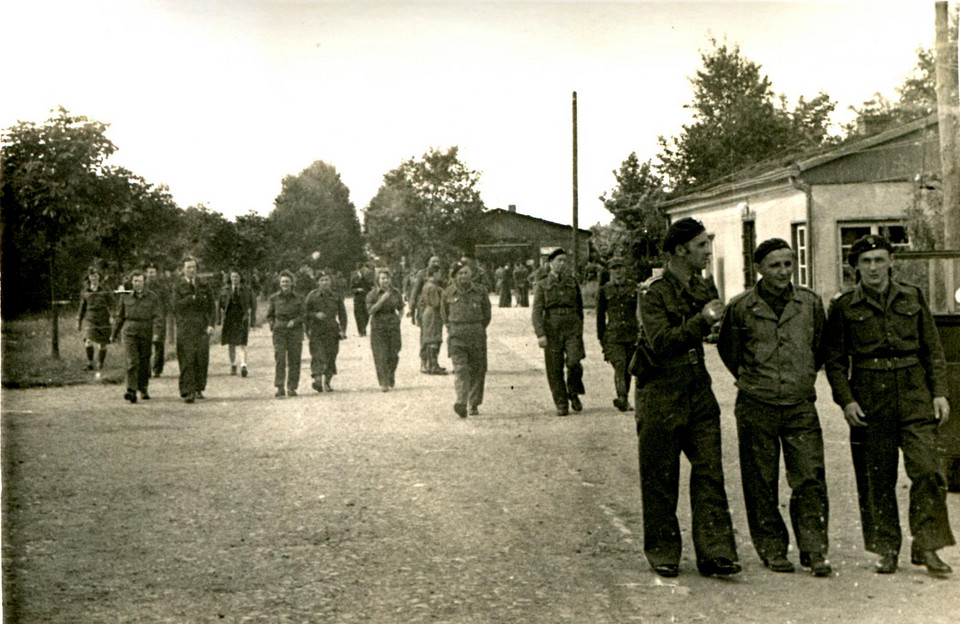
(287,351)
(193,356)
(469,359)
(677,413)
(324,348)
(564,350)
(619,355)
(762,429)
(385,343)
(360,314)
(159,354)
(899,414)
(137,354)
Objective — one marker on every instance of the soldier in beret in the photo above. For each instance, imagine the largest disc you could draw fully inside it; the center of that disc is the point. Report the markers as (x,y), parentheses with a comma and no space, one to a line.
(558,322)
(617,327)
(465,310)
(771,340)
(887,370)
(677,411)
(326,326)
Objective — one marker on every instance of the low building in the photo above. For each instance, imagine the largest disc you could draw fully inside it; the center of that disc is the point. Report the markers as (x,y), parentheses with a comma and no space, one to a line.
(508,236)
(820,202)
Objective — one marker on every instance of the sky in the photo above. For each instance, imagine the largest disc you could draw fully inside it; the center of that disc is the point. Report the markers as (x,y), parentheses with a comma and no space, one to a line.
(220,100)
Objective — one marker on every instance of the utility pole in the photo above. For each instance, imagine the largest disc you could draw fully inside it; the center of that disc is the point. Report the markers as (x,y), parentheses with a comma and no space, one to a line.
(948,112)
(576,194)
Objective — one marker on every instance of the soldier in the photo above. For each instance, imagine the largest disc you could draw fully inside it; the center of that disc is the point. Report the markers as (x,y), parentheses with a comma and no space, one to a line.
(158,286)
(557,316)
(520,275)
(96,305)
(505,286)
(361,281)
(617,328)
(887,370)
(386,309)
(140,319)
(326,327)
(285,316)
(465,310)
(678,413)
(771,339)
(196,310)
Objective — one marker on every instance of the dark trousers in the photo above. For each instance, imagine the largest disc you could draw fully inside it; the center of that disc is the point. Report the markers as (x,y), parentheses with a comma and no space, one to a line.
(324,348)
(159,353)
(385,344)
(287,351)
(899,415)
(523,297)
(678,413)
(619,355)
(193,355)
(469,368)
(360,314)
(564,350)
(761,430)
(137,352)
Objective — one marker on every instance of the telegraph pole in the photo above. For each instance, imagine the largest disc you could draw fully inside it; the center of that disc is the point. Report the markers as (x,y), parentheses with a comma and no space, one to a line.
(576,247)
(948,112)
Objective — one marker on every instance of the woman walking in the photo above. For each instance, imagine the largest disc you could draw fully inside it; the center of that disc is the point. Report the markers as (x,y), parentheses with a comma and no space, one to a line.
(431,325)
(96,305)
(237,310)
(385,305)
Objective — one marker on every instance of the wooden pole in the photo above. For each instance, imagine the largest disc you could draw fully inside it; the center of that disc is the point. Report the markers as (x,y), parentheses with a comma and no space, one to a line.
(576,194)
(948,111)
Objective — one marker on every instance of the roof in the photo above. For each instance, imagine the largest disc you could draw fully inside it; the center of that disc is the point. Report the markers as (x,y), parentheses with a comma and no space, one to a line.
(509,214)
(782,169)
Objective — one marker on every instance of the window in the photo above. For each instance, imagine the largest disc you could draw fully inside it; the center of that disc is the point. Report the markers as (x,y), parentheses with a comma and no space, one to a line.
(801,274)
(894,231)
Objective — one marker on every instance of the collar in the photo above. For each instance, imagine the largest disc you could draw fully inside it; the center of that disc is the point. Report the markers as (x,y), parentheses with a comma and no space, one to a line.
(862,294)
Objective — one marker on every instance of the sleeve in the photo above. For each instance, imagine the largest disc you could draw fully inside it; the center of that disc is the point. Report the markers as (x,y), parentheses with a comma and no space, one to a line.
(252,302)
(579,304)
(485,309)
(211,308)
(159,318)
(931,351)
(119,320)
(601,313)
(819,325)
(342,313)
(221,306)
(83,310)
(272,312)
(728,344)
(666,339)
(444,310)
(536,313)
(836,358)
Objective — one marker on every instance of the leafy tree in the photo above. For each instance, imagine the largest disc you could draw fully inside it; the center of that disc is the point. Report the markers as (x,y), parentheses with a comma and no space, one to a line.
(208,236)
(424,207)
(737,122)
(313,213)
(917,98)
(634,203)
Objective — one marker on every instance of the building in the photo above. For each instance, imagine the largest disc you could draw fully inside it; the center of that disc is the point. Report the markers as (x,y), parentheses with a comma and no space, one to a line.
(821,202)
(508,236)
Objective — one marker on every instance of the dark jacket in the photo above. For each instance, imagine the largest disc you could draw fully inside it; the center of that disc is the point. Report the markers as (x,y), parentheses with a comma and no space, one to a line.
(617,313)
(283,308)
(774,360)
(140,316)
(465,312)
(556,302)
(335,313)
(388,314)
(194,307)
(673,323)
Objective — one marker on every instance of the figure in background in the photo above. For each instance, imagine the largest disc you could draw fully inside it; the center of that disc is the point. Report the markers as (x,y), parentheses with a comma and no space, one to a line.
(237,311)
(505,286)
(617,328)
(431,324)
(160,287)
(520,275)
(361,281)
(97,303)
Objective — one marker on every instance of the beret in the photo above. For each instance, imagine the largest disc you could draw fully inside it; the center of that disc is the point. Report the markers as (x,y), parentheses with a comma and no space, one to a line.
(615,262)
(867,243)
(767,246)
(680,232)
(556,252)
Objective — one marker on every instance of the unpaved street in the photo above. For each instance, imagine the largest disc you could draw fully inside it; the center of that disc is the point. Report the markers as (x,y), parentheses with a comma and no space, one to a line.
(362,506)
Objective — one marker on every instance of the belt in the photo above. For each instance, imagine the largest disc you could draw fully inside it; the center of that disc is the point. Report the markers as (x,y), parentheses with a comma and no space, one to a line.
(690,358)
(889,363)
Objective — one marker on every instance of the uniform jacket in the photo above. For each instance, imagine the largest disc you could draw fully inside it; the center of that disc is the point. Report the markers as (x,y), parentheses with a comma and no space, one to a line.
(465,311)
(858,328)
(335,313)
(194,306)
(96,307)
(617,313)
(283,308)
(388,313)
(774,360)
(554,294)
(245,299)
(671,314)
(139,315)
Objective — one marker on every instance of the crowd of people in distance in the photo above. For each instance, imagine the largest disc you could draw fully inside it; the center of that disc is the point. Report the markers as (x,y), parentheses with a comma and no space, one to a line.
(877,343)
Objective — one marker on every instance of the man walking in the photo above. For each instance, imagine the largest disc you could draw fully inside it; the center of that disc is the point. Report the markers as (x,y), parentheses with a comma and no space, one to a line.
(617,328)
(285,316)
(361,281)
(771,340)
(139,321)
(465,310)
(195,310)
(677,411)
(887,370)
(159,287)
(326,318)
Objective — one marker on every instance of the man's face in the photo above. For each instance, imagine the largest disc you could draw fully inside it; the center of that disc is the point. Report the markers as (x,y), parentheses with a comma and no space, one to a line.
(698,251)
(617,273)
(190,269)
(434,262)
(137,282)
(151,273)
(235,279)
(874,267)
(94,280)
(776,268)
(465,275)
(559,264)
(286,283)
(324,282)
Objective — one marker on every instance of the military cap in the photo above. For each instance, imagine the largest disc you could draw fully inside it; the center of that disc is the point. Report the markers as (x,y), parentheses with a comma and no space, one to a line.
(768,246)
(868,243)
(556,252)
(682,231)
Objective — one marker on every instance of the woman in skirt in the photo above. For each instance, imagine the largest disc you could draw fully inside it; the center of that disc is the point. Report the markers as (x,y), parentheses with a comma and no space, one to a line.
(237,310)
(96,306)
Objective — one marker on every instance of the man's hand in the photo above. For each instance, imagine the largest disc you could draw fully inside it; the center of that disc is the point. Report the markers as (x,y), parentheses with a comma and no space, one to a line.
(291,324)
(210,330)
(542,341)
(941,409)
(320,315)
(854,415)
(713,310)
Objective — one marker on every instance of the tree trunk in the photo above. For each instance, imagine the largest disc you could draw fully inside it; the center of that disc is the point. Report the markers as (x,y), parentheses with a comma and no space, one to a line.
(54,310)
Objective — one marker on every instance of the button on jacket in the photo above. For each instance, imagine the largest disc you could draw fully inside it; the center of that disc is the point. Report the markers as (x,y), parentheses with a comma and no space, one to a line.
(466,313)
(774,360)
(140,315)
(557,306)
(673,320)
(335,313)
(285,307)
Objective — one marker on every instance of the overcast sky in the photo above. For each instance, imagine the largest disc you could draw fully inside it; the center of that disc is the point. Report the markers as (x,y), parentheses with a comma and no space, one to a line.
(221,100)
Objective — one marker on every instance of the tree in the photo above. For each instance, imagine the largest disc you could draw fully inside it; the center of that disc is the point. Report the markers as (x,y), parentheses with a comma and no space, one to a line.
(425,207)
(313,213)
(635,205)
(206,235)
(737,122)
(50,179)
(917,98)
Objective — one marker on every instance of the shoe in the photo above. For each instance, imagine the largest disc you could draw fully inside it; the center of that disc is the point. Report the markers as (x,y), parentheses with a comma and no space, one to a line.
(887,564)
(667,570)
(291,392)
(156,374)
(575,403)
(818,565)
(563,410)
(384,388)
(280,393)
(326,385)
(89,366)
(474,410)
(778,563)
(317,385)
(97,375)
(930,558)
(130,395)
(719,566)
(621,404)
(243,370)
(200,395)
(438,370)
(144,395)
(233,370)
(460,409)
(190,398)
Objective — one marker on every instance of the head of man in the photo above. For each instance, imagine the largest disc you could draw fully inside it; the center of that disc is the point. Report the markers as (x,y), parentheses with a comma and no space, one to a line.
(93,276)
(463,274)
(872,256)
(433,263)
(286,281)
(557,261)
(618,270)
(234,278)
(775,260)
(151,272)
(325,282)
(688,243)
(138,280)
(190,268)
